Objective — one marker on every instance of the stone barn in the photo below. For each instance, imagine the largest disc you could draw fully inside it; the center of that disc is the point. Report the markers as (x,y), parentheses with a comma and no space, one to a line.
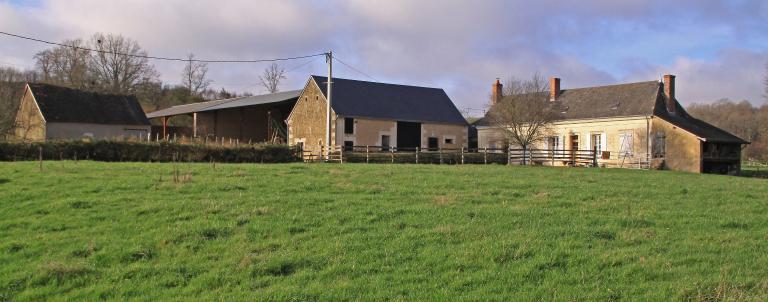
(49,112)
(399,117)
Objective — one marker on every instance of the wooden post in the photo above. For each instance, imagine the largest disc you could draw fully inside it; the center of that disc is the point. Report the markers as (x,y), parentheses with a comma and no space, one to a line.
(417,154)
(462,155)
(341,154)
(194,124)
(594,156)
(40,157)
(553,157)
(440,153)
(165,125)
(366,154)
(524,155)
(392,154)
(509,155)
(485,155)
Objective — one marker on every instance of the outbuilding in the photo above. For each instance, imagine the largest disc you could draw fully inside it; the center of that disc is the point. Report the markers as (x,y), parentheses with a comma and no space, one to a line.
(49,112)
(257,118)
(389,116)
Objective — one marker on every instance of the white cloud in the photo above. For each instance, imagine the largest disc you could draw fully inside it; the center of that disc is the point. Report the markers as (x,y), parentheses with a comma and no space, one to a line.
(735,74)
(461,46)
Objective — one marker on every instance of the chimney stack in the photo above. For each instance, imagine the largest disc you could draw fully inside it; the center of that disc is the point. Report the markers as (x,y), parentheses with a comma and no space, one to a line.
(496,92)
(554,89)
(669,92)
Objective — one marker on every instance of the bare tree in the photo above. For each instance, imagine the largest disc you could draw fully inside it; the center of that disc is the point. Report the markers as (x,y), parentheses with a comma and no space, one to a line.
(65,65)
(117,65)
(272,77)
(525,114)
(194,76)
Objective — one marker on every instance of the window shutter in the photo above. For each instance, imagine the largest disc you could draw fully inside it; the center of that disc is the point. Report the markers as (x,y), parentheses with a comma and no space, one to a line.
(603,142)
(587,142)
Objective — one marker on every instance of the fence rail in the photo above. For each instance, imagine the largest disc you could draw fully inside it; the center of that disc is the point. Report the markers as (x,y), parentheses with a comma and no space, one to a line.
(509,156)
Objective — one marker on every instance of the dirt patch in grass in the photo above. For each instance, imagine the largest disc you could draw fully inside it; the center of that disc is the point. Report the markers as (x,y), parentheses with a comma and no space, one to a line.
(61,272)
(444,200)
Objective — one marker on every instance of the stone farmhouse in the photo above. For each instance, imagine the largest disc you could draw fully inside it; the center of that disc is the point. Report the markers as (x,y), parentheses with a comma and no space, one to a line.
(49,112)
(375,114)
(632,124)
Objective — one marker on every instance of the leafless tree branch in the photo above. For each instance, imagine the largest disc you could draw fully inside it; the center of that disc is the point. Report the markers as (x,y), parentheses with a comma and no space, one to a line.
(272,77)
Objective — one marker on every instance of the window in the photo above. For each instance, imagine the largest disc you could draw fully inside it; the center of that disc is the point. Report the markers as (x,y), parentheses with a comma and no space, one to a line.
(625,144)
(659,145)
(449,141)
(385,142)
(349,125)
(348,145)
(432,144)
(553,142)
(597,142)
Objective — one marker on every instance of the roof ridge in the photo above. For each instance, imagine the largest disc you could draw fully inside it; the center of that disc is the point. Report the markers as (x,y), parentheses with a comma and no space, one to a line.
(611,85)
(380,83)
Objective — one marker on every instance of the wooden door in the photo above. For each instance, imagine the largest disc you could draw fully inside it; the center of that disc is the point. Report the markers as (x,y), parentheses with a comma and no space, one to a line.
(574,148)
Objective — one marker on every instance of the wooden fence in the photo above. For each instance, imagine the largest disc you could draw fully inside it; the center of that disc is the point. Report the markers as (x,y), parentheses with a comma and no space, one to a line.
(508,156)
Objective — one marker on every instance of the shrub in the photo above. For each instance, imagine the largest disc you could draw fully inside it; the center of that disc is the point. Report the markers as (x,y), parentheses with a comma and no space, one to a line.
(116,151)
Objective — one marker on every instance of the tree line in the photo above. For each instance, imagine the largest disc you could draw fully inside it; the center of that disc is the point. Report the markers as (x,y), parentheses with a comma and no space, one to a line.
(117,65)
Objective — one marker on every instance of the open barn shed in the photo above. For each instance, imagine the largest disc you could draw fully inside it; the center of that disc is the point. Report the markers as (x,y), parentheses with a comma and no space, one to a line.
(257,118)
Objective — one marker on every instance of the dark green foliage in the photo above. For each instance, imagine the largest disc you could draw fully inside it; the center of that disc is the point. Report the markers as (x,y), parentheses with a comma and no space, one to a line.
(126,151)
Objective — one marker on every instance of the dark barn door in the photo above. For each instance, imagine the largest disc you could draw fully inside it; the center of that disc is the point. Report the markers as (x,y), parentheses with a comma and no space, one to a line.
(408,135)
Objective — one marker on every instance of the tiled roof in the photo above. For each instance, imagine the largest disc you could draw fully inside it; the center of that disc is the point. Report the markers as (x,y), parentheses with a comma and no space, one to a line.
(632,99)
(227,103)
(67,105)
(355,98)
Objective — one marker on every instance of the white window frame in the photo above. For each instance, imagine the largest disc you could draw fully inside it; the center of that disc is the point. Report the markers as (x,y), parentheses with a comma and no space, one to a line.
(597,140)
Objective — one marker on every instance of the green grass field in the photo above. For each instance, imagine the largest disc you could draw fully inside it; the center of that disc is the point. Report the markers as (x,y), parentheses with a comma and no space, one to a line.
(129,231)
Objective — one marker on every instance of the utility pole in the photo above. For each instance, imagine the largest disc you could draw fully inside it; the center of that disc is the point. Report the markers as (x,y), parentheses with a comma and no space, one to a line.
(329,60)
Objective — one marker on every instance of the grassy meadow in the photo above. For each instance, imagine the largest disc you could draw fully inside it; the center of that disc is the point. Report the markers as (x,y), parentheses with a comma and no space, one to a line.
(88,231)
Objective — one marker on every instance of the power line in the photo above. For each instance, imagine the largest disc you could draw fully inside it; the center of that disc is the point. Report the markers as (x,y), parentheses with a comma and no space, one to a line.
(159,58)
(302,65)
(355,69)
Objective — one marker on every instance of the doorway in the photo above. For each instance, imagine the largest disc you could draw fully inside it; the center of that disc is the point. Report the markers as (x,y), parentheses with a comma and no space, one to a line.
(432,144)
(408,136)
(574,148)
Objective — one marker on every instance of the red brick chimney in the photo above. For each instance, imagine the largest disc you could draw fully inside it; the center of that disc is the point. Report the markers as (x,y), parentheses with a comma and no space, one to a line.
(669,92)
(496,92)
(554,89)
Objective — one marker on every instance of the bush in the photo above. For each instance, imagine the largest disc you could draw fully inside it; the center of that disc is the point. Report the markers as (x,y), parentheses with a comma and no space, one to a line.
(116,151)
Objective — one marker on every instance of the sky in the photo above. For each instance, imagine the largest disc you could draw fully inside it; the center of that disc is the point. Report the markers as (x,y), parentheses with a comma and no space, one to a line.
(717,49)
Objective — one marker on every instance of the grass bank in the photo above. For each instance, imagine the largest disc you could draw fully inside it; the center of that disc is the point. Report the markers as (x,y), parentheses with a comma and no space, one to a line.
(90,231)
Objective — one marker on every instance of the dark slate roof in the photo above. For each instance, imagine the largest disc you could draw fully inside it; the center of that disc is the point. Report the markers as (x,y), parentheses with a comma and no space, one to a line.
(67,105)
(237,102)
(631,99)
(354,98)
(702,129)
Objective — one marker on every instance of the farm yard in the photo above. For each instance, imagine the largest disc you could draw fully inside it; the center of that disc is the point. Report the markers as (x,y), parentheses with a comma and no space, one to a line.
(160,231)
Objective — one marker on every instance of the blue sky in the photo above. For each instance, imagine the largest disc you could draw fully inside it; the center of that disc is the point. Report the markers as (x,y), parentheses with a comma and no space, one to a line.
(718,49)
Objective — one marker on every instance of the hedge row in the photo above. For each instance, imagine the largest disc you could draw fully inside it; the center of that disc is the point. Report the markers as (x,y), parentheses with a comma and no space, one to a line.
(117,151)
